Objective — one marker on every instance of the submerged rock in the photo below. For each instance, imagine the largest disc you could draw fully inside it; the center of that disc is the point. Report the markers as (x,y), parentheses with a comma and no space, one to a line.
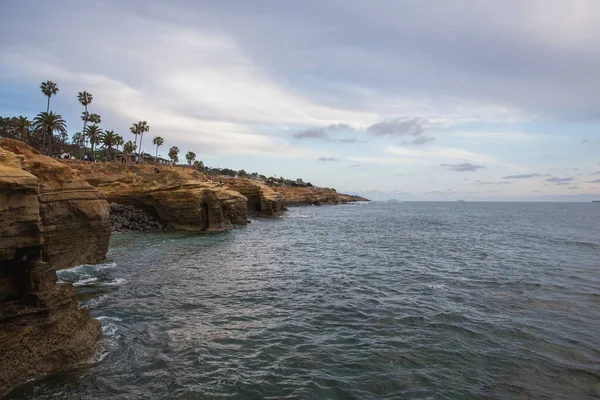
(49,219)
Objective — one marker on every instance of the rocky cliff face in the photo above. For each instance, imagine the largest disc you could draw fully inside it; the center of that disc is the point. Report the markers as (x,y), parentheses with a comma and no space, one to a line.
(299,196)
(75,216)
(48,219)
(262,199)
(178,196)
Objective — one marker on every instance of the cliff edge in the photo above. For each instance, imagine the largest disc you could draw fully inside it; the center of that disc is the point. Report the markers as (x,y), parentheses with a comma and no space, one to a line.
(49,219)
(178,196)
(300,196)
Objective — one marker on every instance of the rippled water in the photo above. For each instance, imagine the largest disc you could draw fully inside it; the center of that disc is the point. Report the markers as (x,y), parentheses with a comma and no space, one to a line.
(410,300)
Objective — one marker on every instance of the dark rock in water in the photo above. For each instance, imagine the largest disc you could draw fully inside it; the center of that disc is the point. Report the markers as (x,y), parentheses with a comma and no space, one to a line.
(126,218)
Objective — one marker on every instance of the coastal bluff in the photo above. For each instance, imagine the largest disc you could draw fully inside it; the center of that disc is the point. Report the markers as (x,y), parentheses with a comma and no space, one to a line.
(181,197)
(304,196)
(49,219)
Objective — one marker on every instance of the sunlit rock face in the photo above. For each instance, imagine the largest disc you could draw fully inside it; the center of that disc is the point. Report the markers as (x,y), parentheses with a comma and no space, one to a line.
(49,219)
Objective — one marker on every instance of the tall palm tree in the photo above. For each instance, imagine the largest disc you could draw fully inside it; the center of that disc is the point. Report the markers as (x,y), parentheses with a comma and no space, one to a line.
(174,153)
(47,123)
(190,156)
(109,139)
(142,127)
(85,99)
(158,141)
(22,125)
(50,89)
(94,133)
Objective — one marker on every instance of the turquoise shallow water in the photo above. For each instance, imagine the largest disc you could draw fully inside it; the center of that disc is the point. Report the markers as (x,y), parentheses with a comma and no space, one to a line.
(409,300)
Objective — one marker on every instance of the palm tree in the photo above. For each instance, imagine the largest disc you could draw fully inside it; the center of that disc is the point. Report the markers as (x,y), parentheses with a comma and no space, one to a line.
(94,133)
(50,89)
(85,99)
(142,127)
(129,148)
(47,123)
(173,154)
(22,125)
(190,156)
(109,139)
(77,138)
(119,141)
(135,129)
(158,141)
(94,118)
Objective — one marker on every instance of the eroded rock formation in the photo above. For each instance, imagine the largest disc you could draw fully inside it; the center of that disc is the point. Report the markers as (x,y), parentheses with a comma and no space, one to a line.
(48,220)
(299,196)
(178,196)
(262,199)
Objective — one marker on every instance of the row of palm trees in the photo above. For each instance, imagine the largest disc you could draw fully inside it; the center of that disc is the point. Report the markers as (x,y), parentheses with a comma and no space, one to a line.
(42,130)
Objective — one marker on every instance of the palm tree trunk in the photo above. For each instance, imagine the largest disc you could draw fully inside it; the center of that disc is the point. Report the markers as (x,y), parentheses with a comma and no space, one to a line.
(84,125)
(93,155)
(50,143)
(156,158)
(44,141)
(48,107)
(140,150)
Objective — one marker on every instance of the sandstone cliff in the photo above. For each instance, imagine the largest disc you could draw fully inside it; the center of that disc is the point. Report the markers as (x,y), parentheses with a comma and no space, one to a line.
(178,196)
(262,199)
(299,196)
(48,219)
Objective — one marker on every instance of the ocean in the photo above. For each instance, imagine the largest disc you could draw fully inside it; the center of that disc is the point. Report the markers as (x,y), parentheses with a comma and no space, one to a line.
(412,300)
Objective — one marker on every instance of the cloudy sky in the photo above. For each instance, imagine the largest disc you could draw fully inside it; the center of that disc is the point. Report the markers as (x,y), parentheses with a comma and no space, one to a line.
(424,100)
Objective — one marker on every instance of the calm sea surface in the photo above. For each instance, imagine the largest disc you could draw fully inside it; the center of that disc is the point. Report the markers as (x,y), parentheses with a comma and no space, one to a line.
(409,300)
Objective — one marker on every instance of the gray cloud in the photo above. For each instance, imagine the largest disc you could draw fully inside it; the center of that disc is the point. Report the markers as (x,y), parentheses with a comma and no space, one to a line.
(397,127)
(422,140)
(492,183)
(558,180)
(462,167)
(594,181)
(328,159)
(312,133)
(321,134)
(355,166)
(520,176)
(584,141)
(340,127)
(572,187)
(596,173)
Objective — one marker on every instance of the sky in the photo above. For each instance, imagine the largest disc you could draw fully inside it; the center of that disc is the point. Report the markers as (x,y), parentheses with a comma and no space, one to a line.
(412,100)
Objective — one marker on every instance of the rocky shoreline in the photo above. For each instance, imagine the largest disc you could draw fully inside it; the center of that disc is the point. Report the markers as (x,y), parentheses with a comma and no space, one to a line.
(49,219)
(60,214)
(131,219)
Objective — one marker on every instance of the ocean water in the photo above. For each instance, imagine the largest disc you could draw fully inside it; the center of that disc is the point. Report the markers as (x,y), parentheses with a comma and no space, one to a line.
(371,301)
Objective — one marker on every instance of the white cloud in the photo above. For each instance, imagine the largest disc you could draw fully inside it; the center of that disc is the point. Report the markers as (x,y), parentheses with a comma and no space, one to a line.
(440,153)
